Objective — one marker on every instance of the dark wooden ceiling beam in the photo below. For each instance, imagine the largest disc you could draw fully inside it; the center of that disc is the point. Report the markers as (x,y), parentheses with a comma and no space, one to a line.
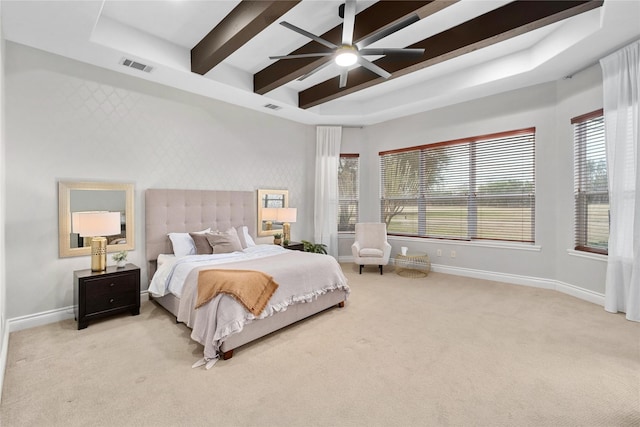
(508,21)
(244,22)
(368,21)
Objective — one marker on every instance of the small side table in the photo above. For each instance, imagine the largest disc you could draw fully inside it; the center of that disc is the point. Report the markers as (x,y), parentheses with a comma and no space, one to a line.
(294,246)
(104,293)
(413,265)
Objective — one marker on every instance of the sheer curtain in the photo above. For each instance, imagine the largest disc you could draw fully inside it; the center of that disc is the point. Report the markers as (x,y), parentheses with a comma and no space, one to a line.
(328,140)
(621,85)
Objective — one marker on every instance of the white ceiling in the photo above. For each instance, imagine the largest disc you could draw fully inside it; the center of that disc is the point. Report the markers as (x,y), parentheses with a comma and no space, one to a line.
(161,34)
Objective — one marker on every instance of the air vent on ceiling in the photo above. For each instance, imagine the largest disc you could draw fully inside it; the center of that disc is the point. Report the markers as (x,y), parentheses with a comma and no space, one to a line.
(272,107)
(138,66)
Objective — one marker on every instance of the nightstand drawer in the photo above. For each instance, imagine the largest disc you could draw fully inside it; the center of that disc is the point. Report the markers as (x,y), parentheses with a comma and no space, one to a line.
(99,303)
(110,285)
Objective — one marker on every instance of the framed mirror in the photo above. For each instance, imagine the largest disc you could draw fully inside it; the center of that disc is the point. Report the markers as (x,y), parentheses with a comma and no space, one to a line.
(76,197)
(267,200)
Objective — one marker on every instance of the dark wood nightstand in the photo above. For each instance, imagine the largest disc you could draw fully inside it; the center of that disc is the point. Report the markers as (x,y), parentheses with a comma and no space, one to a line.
(294,246)
(104,293)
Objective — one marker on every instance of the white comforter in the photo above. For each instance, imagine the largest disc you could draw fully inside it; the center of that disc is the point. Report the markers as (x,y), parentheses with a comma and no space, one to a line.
(301,277)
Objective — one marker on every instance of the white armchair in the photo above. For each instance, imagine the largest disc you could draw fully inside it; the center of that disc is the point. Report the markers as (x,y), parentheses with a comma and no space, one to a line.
(371,246)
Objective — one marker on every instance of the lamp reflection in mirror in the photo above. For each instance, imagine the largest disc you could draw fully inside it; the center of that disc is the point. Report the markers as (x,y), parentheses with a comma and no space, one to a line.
(96,224)
(268,216)
(286,216)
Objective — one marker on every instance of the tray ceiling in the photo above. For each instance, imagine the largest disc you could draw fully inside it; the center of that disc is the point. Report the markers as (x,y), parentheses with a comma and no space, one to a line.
(220,49)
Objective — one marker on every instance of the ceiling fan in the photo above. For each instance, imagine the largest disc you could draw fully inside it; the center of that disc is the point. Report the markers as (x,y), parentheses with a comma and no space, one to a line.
(349,53)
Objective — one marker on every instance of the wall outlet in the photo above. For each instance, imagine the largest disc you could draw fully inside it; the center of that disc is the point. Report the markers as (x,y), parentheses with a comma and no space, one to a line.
(453,254)
(439,252)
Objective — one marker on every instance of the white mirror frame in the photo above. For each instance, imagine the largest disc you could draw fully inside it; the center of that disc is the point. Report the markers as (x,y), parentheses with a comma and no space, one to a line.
(64,216)
(261,194)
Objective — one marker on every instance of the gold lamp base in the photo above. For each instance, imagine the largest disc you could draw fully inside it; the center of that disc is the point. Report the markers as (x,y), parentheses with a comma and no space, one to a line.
(286,231)
(98,254)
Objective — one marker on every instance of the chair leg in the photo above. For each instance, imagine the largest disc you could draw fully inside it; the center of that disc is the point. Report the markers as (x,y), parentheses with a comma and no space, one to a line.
(380,269)
(361,268)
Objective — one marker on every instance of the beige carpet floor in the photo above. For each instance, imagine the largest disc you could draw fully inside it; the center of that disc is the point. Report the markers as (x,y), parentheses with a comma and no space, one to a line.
(441,351)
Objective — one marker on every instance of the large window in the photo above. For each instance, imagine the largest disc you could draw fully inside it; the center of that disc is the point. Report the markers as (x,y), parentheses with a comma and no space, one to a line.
(348,192)
(591,191)
(473,188)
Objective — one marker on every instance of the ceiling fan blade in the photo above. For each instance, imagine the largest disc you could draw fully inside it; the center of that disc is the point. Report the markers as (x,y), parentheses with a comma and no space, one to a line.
(344,73)
(387,31)
(301,55)
(373,67)
(349,22)
(315,70)
(406,53)
(308,34)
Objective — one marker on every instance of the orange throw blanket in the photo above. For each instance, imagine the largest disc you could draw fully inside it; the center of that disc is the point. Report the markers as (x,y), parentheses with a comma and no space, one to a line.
(252,289)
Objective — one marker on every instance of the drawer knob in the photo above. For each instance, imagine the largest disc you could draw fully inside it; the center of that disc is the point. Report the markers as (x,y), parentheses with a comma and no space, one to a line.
(111,300)
(112,285)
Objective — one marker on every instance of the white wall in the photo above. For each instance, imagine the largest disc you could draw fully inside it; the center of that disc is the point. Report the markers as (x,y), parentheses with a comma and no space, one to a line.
(4,333)
(548,108)
(66,120)
(70,121)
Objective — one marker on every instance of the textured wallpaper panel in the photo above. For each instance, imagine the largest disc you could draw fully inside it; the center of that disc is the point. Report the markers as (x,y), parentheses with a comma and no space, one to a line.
(71,121)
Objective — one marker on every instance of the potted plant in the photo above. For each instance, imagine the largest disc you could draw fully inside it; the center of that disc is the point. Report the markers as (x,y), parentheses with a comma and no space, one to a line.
(317,248)
(277,239)
(120,258)
(285,242)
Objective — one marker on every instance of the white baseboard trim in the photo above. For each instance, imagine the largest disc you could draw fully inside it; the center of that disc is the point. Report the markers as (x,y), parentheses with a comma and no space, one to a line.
(4,353)
(581,293)
(39,319)
(515,279)
(50,316)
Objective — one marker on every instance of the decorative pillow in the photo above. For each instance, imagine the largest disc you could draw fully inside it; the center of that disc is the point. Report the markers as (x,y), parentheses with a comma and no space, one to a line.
(183,244)
(202,244)
(224,242)
(245,238)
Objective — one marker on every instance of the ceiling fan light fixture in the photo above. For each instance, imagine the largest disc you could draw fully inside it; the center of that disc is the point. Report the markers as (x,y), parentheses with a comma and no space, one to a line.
(346,56)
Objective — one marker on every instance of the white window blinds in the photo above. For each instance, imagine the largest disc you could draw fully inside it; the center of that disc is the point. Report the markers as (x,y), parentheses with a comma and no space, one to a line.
(591,191)
(474,188)
(348,192)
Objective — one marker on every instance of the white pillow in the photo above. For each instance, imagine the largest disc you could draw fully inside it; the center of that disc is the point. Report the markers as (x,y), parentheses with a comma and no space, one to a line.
(183,244)
(165,258)
(245,238)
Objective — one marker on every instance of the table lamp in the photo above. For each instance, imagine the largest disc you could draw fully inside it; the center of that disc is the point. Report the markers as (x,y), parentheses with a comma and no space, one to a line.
(269,215)
(286,216)
(96,224)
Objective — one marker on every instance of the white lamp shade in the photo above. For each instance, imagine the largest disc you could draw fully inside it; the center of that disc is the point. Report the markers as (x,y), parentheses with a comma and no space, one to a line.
(287,214)
(92,224)
(269,214)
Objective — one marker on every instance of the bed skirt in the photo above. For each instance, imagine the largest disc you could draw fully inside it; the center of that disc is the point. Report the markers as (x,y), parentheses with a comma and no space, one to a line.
(267,325)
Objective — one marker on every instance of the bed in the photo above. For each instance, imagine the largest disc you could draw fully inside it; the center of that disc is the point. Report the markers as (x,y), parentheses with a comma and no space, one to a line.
(182,211)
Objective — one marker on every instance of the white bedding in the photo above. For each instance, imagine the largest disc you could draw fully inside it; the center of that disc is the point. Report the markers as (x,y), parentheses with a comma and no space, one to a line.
(301,277)
(172,270)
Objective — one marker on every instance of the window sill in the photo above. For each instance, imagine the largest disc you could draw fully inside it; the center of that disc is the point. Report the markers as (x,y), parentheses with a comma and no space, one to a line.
(588,255)
(475,244)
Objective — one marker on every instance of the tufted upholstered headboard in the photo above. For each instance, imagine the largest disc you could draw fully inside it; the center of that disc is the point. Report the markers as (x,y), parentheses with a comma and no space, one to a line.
(192,210)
